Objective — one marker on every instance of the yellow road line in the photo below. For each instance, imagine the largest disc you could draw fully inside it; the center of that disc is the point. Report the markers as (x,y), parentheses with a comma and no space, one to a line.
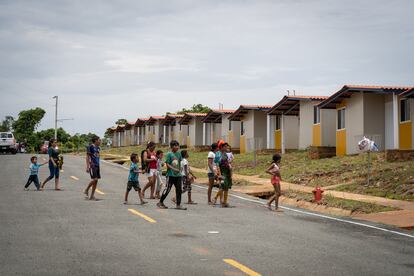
(99,192)
(241,267)
(147,218)
(74,177)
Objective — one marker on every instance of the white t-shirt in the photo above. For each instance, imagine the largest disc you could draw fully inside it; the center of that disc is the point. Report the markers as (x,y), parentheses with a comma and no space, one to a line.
(184,163)
(211,155)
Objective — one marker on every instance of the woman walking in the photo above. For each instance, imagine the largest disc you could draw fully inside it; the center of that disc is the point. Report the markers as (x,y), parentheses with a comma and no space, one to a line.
(53,153)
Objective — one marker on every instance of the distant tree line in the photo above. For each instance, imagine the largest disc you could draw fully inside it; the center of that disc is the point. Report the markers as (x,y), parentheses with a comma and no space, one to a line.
(24,130)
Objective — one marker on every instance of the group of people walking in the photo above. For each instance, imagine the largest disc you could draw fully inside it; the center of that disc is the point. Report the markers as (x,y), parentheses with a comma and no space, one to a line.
(178,173)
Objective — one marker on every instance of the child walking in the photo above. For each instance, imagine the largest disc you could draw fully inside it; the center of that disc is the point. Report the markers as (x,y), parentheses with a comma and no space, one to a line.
(34,171)
(133,179)
(173,161)
(188,176)
(160,164)
(274,171)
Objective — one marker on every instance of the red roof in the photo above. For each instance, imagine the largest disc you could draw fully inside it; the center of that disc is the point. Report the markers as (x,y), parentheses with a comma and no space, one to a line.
(243,109)
(347,90)
(289,105)
(409,93)
(225,111)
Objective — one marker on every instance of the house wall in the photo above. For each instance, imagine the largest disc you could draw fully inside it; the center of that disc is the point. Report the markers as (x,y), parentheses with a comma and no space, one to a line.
(291,129)
(374,118)
(115,139)
(328,127)
(232,137)
(122,138)
(216,132)
(182,134)
(207,133)
(272,129)
(305,124)
(354,122)
(260,128)
(389,122)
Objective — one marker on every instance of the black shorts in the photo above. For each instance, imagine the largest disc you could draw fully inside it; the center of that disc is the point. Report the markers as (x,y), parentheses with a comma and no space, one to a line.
(133,184)
(95,173)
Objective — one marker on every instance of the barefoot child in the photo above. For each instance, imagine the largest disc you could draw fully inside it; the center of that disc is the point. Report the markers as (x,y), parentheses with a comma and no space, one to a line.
(274,171)
(133,179)
(34,171)
(173,161)
(188,176)
(160,164)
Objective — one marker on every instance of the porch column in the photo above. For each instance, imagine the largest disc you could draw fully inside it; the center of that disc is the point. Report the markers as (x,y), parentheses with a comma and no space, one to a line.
(204,134)
(395,123)
(268,144)
(164,137)
(282,128)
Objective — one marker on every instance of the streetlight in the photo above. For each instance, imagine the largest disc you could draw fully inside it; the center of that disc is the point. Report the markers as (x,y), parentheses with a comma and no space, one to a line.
(56,116)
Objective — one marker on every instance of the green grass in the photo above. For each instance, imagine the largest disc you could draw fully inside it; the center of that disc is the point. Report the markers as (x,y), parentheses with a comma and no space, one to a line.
(351,205)
(390,180)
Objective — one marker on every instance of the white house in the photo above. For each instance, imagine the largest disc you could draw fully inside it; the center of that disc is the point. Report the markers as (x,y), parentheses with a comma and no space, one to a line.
(216,126)
(381,113)
(253,132)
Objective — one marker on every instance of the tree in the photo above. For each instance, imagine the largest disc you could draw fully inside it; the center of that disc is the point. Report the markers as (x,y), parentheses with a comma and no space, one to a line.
(196,108)
(121,122)
(27,123)
(7,124)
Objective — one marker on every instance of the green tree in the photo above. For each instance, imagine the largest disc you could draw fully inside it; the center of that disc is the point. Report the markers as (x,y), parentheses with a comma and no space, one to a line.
(121,122)
(196,108)
(7,124)
(27,123)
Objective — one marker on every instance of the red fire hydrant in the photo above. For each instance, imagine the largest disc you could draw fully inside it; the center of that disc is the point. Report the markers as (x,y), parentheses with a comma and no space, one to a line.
(317,194)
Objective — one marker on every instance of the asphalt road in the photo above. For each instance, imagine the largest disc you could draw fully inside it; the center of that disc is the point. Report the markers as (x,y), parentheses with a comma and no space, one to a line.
(61,233)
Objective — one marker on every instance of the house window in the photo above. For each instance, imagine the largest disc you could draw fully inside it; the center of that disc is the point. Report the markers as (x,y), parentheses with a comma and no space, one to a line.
(153,129)
(277,127)
(405,110)
(172,128)
(341,118)
(229,125)
(180,127)
(241,128)
(316,115)
(188,130)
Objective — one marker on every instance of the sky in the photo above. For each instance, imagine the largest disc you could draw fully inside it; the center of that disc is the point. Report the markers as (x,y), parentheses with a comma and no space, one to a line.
(127,59)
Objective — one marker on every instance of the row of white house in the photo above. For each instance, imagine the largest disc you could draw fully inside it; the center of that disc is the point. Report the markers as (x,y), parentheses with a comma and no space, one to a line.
(382,113)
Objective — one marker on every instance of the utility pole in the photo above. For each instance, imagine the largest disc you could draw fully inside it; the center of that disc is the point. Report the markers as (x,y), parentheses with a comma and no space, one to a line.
(56,115)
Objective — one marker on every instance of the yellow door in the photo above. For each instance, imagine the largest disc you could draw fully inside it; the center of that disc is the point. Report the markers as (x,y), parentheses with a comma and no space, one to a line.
(278,139)
(405,135)
(316,135)
(242,144)
(341,142)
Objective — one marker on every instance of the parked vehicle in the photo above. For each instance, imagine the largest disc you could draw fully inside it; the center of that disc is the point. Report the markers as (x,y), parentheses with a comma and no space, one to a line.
(7,142)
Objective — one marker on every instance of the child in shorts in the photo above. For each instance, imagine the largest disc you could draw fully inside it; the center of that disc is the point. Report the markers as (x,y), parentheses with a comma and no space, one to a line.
(188,176)
(274,171)
(34,171)
(160,165)
(133,179)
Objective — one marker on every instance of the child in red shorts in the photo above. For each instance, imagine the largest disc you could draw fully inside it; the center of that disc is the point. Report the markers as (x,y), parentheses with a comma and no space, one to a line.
(274,171)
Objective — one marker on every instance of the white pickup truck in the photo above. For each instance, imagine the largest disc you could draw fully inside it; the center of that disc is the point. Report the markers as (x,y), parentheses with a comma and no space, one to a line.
(7,142)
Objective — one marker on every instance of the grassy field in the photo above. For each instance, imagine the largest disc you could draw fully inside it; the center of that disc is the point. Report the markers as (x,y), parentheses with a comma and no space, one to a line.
(391,180)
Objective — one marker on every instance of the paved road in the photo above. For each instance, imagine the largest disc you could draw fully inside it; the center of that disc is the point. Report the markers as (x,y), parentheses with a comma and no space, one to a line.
(61,233)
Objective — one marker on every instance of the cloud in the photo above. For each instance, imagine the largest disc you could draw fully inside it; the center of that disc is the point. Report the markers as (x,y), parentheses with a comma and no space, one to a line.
(109,60)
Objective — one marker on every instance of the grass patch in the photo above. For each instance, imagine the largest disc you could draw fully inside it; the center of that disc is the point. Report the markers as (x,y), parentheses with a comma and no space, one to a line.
(346,204)
(390,180)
